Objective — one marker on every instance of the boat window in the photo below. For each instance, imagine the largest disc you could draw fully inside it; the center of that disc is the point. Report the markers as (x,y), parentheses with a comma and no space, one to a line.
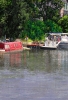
(6,46)
(64,34)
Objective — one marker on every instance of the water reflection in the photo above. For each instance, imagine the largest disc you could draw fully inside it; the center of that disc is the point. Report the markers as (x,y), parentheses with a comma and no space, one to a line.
(1,60)
(47,61)
(12,60)
(34,75)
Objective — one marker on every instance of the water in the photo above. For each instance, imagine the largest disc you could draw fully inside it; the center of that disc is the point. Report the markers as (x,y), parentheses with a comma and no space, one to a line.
(34,75)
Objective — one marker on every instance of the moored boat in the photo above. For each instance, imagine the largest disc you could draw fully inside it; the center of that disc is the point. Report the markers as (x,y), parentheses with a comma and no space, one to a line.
(63,45)
(33,45)
(56,41)
(48,47)
(10,46)
(51,42)
(64,41)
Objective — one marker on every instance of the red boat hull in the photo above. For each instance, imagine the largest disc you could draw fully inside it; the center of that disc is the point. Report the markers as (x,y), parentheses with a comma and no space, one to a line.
(11,46)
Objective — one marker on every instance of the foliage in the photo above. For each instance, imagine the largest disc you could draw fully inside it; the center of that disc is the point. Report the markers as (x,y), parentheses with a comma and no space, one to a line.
(13,16)
(34,29)
(47,9)
(51,26)
(3,5)
(64,23)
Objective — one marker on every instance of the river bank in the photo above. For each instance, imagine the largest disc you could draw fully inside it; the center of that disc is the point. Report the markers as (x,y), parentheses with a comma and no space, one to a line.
(30,42)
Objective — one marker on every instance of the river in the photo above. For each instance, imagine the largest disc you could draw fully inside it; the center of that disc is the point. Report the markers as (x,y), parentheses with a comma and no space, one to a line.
(34,75)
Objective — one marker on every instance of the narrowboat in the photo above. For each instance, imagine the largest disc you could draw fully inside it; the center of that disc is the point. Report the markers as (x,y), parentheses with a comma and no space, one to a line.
(11,46)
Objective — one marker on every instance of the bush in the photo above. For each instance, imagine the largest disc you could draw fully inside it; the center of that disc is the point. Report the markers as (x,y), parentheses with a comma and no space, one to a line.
(52,27)
(64,23)
(35,30)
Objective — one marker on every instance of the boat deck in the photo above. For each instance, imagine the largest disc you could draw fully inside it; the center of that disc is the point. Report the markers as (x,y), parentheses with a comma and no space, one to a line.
(51,45)
(48,47)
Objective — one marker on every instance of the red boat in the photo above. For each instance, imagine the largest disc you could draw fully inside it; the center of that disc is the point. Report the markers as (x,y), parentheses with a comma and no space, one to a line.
(10,46)
(33,45)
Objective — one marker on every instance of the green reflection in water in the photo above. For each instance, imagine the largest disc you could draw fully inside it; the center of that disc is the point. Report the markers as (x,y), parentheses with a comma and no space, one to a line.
(36,60)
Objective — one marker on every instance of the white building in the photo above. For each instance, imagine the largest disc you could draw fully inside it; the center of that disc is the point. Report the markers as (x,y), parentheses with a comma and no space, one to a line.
(64,10)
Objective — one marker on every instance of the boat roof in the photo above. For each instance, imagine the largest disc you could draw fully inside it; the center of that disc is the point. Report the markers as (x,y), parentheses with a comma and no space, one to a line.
(58,34)
(64,33)
(55,34)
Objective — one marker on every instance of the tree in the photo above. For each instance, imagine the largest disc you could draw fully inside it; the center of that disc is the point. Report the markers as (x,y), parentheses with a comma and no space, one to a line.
(35,30)
(46,9)
(14,14)
(3,15)
(63,22)
(17,14)
(52,27)
(50,9)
